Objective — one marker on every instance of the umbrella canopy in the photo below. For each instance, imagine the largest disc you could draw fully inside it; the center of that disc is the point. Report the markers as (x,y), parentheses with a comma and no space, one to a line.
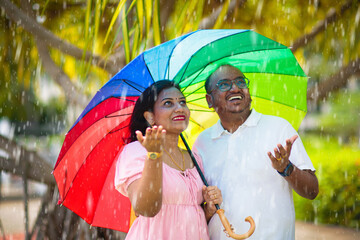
(278,85)
(85,168)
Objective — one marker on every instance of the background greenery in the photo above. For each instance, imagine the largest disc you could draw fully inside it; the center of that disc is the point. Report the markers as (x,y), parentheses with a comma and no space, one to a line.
(338,172)
(334,150)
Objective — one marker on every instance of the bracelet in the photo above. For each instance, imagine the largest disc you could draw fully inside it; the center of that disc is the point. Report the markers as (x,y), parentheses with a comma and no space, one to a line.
(154,155)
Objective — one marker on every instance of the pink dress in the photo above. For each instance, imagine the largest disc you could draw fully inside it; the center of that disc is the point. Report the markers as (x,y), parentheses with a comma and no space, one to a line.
(181,216)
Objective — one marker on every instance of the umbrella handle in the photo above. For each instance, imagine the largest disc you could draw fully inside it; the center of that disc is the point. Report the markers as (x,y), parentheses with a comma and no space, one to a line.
(219,211)
(229,230)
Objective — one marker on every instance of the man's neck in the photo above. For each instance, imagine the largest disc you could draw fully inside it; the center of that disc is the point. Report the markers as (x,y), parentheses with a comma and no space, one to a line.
(233,121)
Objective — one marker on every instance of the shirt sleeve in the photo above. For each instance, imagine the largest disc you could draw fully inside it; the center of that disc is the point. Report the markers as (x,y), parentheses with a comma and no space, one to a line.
(129,166)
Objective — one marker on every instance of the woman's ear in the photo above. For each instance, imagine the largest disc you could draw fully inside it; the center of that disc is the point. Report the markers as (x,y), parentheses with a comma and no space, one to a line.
(149,116)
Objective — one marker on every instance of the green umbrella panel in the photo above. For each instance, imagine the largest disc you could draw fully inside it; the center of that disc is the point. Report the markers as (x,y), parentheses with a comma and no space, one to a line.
(277,82)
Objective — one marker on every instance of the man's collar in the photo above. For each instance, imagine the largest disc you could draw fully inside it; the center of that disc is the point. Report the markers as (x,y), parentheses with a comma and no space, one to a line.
(251,121)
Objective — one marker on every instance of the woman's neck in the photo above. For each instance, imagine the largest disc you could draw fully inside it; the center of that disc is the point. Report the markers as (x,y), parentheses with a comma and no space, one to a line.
(171,141)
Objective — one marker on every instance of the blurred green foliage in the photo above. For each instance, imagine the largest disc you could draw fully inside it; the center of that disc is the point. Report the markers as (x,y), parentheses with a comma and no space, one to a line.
(343,116)
(338,172)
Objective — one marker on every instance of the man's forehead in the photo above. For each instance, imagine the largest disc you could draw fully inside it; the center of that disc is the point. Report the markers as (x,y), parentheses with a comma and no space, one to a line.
(226,72)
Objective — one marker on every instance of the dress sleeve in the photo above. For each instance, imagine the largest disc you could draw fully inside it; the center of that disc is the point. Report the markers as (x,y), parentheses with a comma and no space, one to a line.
(129,166)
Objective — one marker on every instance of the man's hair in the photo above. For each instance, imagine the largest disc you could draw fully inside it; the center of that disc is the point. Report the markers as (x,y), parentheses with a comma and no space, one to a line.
(146,102)
(208,79)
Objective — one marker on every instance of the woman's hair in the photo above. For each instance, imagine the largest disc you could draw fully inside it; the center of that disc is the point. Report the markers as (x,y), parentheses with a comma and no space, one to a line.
(146,102)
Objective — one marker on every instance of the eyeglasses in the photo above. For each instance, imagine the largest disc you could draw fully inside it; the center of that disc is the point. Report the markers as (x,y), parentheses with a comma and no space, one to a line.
(226,84)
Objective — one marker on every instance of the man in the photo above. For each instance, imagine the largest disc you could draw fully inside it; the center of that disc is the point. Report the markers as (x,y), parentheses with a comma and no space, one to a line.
(256,160)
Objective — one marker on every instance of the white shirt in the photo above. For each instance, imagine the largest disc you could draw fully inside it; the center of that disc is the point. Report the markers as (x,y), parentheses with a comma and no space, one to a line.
(239,166)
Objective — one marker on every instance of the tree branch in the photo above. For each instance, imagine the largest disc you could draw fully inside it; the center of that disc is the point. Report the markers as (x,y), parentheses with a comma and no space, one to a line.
(30,25)
(210,21)
(321,26)
(70,90)
(38,168)
(321,91)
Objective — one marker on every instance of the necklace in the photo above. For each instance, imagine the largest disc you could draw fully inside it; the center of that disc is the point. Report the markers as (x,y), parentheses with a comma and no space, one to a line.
(183,160)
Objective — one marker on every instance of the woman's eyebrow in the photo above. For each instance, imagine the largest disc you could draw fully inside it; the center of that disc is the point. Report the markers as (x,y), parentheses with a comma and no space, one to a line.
(168,98)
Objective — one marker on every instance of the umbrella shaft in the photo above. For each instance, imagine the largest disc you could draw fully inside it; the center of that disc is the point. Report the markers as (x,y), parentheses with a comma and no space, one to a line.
(196,164)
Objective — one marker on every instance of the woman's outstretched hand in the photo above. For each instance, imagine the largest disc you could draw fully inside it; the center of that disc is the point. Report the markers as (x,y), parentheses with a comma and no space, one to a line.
(154,138)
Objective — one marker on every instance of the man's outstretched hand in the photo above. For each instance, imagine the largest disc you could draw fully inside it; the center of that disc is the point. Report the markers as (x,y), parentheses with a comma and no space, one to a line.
(280,158)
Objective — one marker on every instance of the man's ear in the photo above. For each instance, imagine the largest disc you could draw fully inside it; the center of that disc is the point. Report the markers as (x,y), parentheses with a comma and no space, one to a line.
(209,99)
(150,118)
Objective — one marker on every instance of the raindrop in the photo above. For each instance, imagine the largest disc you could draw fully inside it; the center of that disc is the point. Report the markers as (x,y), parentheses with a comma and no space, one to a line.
(41,19)
(340,140)
(36,6)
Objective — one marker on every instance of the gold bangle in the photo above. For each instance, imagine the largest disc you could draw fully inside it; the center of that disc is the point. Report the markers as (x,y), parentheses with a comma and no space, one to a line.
(154,155)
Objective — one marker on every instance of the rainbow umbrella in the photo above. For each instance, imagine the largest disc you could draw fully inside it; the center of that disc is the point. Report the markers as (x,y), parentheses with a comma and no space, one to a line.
(85,168)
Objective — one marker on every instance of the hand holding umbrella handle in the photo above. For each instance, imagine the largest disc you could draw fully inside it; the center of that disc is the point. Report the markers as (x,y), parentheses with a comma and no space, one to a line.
(219,211)
(229,230)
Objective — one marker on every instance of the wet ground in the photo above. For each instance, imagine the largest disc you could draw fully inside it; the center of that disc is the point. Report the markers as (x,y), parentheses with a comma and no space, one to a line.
(12,219)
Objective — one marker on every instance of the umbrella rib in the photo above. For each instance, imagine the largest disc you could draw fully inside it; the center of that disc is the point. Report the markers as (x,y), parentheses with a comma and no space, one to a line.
(238,33)
(258,50)
(114,131)
(97,121)
(192,93)
(147,67)
(102,191)
(172,50)
(126,99)
(82,164)
(192,101)
(218,60)
(193,121)
(132,85)
(119,115)
(195,76)
(200,50)
(200,110)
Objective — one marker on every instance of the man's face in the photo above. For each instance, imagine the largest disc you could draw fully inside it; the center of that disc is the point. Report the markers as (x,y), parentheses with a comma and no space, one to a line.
(235,100)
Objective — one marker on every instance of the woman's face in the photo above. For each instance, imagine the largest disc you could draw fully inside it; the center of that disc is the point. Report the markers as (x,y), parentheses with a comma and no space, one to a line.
(171,111)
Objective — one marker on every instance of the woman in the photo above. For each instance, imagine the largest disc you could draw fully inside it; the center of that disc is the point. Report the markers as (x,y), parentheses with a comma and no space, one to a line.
(159,178)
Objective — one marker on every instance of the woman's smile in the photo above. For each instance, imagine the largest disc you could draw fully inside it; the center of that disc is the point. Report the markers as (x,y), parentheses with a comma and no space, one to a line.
(179,118)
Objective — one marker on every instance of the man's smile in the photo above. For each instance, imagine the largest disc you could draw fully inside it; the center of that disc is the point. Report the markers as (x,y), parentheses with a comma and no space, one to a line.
(235,97)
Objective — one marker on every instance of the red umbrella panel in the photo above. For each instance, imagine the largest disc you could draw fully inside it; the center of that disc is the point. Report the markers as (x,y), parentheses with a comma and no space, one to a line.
(87,187)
